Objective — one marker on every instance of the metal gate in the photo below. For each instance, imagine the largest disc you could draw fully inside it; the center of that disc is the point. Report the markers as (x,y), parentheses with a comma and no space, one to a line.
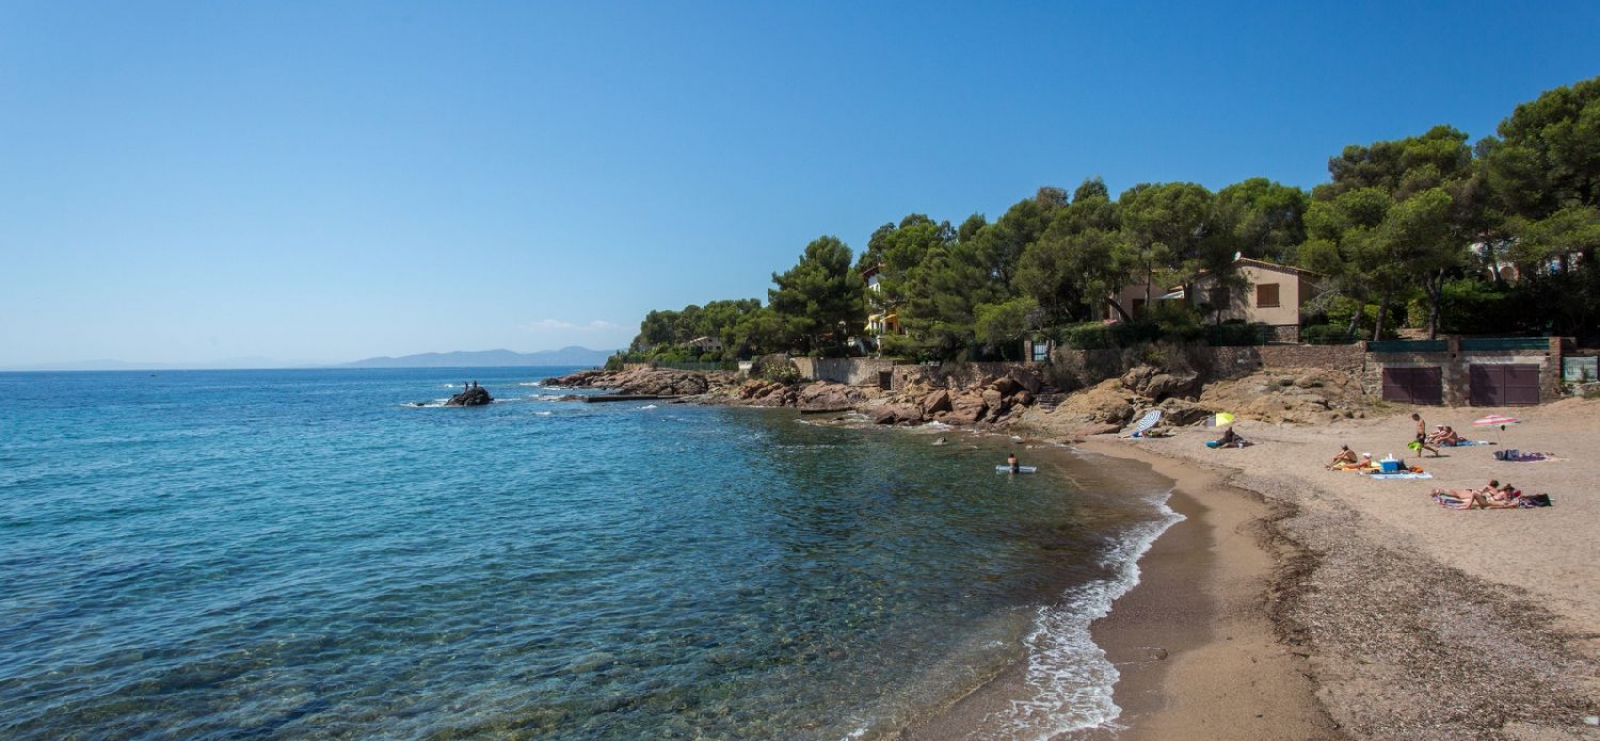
(1413,385)
(1503,385)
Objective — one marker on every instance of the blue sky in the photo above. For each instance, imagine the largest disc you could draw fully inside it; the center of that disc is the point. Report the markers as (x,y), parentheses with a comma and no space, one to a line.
(327,181)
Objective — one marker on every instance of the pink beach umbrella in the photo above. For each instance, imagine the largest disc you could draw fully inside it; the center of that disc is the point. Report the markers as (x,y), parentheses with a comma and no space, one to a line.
(1496,420)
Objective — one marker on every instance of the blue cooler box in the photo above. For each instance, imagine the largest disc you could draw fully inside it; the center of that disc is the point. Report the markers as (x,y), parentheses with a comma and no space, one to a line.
(1389,466)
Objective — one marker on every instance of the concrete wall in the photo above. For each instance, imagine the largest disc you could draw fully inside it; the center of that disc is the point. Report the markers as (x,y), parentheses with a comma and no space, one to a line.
(849,371)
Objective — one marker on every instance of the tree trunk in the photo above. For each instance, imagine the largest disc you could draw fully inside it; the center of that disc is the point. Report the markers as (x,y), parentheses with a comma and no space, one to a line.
(1435,289)
(1112,302)
(1355,319)
(1383,312)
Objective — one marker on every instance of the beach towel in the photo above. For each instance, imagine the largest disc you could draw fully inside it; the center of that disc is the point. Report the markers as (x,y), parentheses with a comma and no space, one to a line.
(1516,456)
(1468,443)
(1149,420)
(1403,475)
(1448,501)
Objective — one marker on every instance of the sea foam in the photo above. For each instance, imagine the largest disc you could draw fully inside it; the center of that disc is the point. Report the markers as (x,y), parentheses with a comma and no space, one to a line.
(1070,677)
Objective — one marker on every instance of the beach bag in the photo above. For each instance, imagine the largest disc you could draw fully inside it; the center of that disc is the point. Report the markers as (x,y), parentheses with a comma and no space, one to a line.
(1534,500)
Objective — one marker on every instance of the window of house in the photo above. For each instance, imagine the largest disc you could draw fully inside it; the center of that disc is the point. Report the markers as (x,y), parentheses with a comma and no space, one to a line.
(1267,295)
(1041,352)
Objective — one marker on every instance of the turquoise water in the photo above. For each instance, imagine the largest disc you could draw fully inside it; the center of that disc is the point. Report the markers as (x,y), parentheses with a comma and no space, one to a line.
(309,555)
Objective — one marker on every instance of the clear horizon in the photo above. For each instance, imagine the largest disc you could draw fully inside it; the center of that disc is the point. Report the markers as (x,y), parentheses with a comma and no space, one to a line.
(315,184)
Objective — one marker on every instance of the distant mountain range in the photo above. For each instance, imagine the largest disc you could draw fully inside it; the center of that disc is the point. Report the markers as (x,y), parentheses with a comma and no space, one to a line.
(581,356)
(487,359)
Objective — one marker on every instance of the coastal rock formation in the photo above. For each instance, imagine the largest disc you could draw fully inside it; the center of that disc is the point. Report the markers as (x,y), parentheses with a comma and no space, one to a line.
(825,396)
(756,392)
(1110,402)
(472,396)
(646,381)
(1157,384)
(1306,395)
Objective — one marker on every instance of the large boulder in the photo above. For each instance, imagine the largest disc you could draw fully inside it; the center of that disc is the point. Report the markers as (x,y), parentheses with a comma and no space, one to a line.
(827,396)
(965,408)
(894,414)
(935,403)
(1157,384)
(1106,403)
(757,392)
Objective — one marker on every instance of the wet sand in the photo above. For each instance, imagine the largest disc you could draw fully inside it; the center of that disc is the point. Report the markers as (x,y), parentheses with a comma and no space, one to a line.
(1197,652)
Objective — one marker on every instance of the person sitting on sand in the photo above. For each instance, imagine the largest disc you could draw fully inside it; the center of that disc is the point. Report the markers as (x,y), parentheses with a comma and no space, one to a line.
(1231,439)
(1506,494)
(1363,464)
(1450,437)
(1345,457)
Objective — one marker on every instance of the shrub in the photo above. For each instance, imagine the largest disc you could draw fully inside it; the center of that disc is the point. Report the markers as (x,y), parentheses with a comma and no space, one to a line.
(1326,334)
(1098,336)
(1232,334)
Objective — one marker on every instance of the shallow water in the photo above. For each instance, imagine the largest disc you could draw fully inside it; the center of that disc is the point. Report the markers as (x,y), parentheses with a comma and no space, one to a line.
(307,555)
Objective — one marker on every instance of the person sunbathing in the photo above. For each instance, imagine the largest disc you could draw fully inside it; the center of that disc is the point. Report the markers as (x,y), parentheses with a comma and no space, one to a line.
(1345,456)
(1450,437)
(1492,496)
(1438,434)
(1506,494)
(1363,464)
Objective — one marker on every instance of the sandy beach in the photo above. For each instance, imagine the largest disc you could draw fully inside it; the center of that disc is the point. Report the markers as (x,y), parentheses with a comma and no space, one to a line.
(1298,602)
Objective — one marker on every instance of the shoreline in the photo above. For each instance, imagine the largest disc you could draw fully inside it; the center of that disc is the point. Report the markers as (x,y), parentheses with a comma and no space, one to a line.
(1198,654)
(1396,618)
(1296,602)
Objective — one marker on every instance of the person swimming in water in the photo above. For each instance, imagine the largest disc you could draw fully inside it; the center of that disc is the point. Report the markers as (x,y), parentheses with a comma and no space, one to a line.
(1011,460)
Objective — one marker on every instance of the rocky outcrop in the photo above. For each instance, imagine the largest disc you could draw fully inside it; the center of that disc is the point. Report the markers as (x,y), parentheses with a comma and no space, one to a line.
(472,396)
(823,396)
(1302,395)
(992,400)
(756,392)
(1108,403)
(647,381)
(1157,384)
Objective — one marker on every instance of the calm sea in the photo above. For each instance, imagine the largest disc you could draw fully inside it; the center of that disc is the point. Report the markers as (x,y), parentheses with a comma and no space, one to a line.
(309,554)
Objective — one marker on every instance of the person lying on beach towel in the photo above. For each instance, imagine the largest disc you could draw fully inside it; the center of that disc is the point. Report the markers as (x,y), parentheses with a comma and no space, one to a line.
(1521,457)
(1493,496)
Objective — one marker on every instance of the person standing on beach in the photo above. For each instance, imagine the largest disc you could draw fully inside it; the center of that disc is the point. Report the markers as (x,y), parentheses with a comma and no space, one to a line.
(1422,436)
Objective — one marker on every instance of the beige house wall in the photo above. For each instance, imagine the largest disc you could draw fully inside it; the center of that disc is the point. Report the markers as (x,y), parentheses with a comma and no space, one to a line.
(1294,289)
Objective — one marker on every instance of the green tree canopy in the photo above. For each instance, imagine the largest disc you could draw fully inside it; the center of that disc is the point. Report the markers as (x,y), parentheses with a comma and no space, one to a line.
(821,299)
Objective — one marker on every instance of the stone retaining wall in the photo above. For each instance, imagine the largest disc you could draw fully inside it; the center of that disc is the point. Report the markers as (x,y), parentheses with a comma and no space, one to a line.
(1089,367)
